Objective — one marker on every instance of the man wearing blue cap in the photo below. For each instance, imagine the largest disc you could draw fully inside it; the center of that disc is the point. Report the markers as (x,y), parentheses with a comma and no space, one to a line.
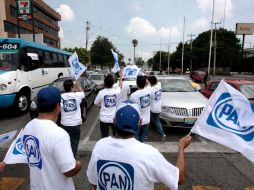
(122,162)
(47,146)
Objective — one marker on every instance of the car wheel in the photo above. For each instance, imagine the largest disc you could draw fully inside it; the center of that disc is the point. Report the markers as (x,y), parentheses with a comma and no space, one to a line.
(84,112)
(22,102)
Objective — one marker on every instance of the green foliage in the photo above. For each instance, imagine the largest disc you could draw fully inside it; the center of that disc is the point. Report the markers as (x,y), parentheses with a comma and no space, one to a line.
(227,54)
(83,54)
(101,53)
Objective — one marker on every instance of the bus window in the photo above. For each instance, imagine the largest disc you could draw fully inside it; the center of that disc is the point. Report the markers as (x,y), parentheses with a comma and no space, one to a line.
(66,63)
(47,60)
(40,54)
(55,62)
(23,60)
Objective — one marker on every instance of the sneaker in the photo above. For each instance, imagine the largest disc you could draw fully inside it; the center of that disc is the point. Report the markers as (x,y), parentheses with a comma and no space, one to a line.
(163,138)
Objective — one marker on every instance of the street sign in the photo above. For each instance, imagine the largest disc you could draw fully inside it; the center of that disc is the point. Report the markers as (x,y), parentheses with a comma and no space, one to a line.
(244,28)
(24,9)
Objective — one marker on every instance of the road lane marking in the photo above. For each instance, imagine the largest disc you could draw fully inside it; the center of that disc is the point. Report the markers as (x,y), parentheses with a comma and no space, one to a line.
(172,147)
(11,183)
(81,147)
(200,187)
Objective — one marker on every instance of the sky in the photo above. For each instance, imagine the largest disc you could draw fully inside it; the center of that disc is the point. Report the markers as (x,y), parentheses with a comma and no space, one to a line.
(156,24)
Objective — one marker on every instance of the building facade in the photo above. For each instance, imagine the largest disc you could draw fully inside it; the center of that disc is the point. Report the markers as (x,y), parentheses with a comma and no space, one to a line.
(45,22)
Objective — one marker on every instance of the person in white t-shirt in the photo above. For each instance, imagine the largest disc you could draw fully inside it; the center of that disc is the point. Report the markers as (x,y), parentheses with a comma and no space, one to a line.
(122,162)
(142,97)
(125,92)
(155,88)
(71,112)
(47,146)
(107,100)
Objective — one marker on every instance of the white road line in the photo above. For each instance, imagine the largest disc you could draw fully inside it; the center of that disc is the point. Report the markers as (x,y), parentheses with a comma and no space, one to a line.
(172,147)
(89,132)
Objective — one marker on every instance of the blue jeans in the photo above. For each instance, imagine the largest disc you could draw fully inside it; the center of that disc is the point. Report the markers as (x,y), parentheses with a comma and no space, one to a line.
(141,132)
(156,121)
(105,129)
(74,133)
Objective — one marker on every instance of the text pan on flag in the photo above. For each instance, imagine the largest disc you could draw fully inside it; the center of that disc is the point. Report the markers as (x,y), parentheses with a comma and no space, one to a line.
(228,119)
(77,68)
(16,152)
(131,71)
(116,67)
(4,138)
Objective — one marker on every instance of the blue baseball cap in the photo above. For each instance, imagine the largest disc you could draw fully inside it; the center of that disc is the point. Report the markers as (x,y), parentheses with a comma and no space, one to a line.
(48,96)
(127,116)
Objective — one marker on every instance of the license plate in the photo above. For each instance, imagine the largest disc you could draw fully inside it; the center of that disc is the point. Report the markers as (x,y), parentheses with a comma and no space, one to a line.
(190,121)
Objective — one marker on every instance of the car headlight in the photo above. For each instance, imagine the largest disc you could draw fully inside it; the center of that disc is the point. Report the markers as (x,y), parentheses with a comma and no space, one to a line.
(3,86)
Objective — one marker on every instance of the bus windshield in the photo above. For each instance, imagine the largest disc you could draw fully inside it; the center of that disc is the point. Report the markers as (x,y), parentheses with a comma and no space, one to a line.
(8,61)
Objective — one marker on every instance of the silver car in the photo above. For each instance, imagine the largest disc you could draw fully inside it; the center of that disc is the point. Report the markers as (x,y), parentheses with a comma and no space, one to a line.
(181,102)
(98,79)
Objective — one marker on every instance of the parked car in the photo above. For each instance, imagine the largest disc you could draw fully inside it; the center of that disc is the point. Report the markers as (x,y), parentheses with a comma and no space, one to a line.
(86,84)
(98,79)
(244,86)
(194,84)
(197,76)
(132,83)
(181,102)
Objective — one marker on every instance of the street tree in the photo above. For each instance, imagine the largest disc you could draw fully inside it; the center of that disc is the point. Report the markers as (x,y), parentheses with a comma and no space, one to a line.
(228,51)
(135,43)
(101,53)
(83,54)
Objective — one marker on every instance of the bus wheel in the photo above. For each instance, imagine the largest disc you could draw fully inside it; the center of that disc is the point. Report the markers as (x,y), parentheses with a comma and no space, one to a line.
(22,103)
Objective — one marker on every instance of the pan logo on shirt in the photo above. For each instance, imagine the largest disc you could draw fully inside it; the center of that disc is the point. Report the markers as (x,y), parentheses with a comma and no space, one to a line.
(115,175)
(19,148)
(69,105)
(110,100)
(145,101)
(157,95)
(31,145)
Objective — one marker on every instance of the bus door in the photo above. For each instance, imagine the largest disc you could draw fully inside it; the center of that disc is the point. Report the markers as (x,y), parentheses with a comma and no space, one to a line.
(35,70)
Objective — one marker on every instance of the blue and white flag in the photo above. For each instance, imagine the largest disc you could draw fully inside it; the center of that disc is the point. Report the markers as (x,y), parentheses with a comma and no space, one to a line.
(116,67)
(4,138)
(16,152)
(228,119)
(77,68)
(131,71)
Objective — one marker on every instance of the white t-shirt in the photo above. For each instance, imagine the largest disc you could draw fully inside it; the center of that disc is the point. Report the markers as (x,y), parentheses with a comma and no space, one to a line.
(156,98)
(70,108)
(49,155)
(129,164)
(143,99)
(107,99)
(124,92)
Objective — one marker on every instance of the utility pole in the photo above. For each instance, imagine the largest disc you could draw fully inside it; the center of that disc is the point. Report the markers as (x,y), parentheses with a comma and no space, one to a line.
(211,40)
(191,35)
(215,47)
(160,54)
(169,39)
(87,29)
(183,44)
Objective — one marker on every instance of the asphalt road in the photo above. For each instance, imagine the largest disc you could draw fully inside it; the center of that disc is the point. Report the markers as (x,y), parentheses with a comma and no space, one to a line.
(208,164)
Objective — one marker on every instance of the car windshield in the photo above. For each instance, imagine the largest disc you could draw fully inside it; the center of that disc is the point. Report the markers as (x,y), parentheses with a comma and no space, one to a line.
(96,77)
(8,61)
(59,84)
(247,90)
(176,85)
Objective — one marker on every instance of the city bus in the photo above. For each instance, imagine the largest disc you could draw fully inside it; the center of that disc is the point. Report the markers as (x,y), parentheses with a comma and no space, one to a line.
(25,68)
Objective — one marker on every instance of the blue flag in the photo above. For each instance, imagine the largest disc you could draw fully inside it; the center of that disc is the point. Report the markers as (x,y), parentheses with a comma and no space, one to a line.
(228,119)
(116,67)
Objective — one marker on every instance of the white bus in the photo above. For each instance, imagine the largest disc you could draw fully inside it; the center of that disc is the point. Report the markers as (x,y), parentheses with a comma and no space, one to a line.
(25,67)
